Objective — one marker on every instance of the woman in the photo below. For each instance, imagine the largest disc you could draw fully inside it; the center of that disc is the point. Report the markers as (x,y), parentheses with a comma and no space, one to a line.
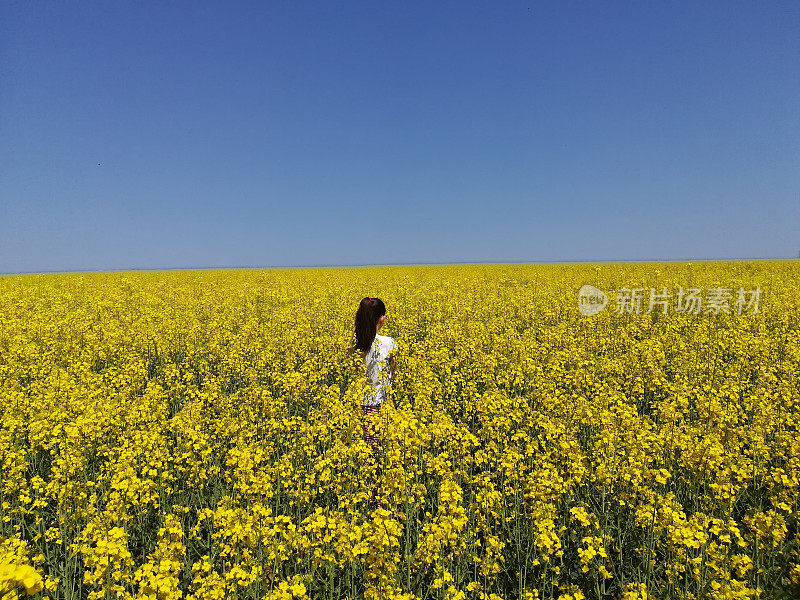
(377,352)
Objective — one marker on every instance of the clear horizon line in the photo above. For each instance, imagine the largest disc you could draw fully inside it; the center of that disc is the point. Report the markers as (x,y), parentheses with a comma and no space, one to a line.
(406,264)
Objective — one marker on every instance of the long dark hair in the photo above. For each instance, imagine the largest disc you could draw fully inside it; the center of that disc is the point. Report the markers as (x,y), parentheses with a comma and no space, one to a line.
(367,315)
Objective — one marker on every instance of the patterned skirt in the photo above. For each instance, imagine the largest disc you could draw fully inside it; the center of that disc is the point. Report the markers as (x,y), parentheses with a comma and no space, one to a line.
(369,414)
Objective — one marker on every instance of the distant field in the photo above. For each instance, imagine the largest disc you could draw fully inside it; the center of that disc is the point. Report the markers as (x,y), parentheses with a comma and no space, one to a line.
(195,435)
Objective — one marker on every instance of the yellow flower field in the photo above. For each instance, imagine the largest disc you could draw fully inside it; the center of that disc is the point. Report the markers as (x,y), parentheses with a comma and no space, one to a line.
(195,435)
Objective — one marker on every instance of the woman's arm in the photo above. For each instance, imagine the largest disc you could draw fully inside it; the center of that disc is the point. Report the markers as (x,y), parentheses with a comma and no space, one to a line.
(393,367)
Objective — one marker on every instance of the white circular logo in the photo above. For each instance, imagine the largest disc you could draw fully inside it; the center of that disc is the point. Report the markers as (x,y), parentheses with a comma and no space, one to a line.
(591,300)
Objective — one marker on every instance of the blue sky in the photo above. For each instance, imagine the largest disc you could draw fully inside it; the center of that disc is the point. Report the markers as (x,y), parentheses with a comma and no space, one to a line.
(215,134)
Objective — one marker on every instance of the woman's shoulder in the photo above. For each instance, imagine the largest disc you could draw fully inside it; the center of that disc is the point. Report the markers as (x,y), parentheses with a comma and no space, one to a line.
(386,340)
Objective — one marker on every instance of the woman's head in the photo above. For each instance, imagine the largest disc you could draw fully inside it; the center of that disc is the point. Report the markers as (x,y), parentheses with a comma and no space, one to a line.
(369,317)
